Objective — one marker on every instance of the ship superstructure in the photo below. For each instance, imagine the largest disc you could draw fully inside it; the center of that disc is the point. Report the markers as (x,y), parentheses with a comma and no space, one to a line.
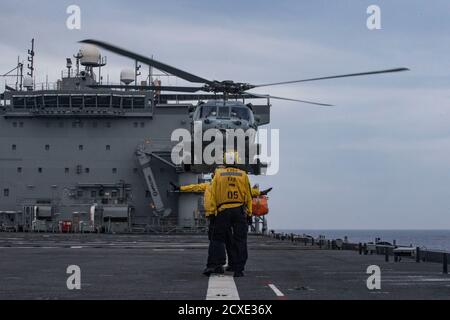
(75,157)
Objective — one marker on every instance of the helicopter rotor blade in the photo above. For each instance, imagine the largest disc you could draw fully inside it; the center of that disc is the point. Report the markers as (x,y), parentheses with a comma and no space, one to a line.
(333,77)
(289,99)
(206,96)
(154,88)
(151,62)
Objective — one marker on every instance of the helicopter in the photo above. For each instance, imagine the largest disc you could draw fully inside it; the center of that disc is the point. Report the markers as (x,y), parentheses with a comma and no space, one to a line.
(223,110)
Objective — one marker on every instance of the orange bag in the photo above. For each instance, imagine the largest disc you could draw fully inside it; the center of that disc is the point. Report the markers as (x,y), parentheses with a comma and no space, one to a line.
(260,207)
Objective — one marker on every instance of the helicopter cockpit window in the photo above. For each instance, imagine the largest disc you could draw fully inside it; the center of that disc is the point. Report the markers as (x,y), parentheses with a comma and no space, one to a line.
(224,112)
(208,111)
(240,113)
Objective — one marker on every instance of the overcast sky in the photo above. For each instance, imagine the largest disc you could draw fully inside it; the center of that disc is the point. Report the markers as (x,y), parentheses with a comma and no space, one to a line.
(379,159)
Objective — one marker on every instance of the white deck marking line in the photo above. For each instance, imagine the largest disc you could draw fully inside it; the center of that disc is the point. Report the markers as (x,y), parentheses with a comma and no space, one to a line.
(76,247)
(221,287)
(276,290)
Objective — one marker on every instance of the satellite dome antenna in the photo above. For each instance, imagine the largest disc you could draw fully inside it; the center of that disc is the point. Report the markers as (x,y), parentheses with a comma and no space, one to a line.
(127,76)
(91,58)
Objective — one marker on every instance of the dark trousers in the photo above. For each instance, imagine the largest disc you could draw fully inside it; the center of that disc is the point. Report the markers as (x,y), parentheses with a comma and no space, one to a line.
(229,229)
(228,241)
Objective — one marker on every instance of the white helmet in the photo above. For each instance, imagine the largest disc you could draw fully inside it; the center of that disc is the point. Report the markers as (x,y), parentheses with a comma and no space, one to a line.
(231,157)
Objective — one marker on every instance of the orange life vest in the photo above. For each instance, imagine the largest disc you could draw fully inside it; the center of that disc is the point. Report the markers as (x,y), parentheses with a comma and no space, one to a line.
(260,206)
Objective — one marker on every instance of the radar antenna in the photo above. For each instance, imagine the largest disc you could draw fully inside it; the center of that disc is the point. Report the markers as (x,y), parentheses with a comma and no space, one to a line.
(77,57)
(31,60)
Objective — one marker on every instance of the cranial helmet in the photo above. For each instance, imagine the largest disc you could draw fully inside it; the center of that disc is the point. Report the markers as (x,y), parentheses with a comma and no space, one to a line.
(231,157)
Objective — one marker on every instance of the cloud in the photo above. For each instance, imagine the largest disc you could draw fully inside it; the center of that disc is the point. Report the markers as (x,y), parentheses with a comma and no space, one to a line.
(378,159)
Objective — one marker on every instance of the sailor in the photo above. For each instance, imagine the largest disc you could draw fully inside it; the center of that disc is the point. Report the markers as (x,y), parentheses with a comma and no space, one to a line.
(231,197)
(210,212)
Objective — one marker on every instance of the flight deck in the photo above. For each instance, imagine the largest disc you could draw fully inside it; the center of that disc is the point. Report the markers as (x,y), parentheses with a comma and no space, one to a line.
(168,266)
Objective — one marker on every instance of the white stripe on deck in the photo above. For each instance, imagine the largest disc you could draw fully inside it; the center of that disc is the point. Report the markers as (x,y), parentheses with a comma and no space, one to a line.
(276,290)
(221,287)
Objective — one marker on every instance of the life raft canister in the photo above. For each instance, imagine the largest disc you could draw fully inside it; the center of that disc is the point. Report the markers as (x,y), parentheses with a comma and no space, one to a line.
(260,206)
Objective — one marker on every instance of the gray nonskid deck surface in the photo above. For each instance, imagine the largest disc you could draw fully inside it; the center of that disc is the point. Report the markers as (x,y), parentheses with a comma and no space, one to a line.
(33,266)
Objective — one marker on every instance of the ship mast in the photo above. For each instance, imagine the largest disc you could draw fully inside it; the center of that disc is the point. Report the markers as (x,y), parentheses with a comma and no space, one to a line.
(31,59)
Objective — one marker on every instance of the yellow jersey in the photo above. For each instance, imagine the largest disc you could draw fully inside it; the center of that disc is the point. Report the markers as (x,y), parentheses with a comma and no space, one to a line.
(206,189)
(230,188)
(202,187)
(198,188)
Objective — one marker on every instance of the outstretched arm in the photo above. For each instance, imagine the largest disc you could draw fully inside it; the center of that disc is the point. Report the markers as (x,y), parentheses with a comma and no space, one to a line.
(198,188)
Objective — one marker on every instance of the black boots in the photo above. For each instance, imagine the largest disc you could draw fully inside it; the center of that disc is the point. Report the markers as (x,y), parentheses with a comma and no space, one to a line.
(238,274)
(210,270)
(219,270)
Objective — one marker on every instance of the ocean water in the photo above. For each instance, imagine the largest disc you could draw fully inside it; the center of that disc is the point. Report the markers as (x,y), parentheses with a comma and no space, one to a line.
(426,239)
